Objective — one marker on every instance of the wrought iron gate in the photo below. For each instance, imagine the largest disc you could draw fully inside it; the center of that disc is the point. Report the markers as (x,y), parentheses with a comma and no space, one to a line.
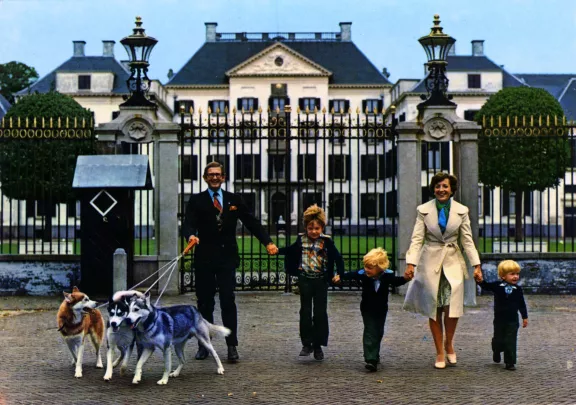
(281,162)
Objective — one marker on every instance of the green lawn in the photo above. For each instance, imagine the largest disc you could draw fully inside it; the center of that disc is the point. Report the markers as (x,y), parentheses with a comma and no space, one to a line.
(345,244)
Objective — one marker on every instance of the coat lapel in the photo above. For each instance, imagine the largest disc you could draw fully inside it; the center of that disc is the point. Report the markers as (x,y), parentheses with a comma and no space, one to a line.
(431,219)
(454,219)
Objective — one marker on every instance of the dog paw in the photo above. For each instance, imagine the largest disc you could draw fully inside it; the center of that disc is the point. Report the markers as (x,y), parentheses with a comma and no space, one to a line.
(99,365)
(220,370)
(107,377)
(78,374)
(122,371)
(174,374)
(163,381)
(135,380)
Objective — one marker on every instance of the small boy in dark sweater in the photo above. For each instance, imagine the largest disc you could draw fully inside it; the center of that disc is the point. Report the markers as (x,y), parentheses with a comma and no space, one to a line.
(508,301)
(376,281)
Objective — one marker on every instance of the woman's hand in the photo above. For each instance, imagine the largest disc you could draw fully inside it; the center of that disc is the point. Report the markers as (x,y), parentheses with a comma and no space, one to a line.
(409,273)
(478,273)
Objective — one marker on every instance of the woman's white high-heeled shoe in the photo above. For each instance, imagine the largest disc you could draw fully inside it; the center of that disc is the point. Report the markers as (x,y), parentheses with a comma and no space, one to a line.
(451,358)
(440,364)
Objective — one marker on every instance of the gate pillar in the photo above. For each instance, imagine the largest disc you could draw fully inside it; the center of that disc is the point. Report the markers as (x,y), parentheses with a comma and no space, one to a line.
(142,125)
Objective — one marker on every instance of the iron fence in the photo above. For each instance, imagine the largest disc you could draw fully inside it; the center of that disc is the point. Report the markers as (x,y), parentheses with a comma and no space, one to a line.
(281,162)
(39,212)
(527,203)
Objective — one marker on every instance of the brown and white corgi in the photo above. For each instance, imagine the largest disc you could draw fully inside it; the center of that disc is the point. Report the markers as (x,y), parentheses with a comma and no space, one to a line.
(78,318)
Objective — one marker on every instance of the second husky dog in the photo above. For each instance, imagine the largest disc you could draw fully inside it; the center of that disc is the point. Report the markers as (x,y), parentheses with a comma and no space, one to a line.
(172,326)
(119,334)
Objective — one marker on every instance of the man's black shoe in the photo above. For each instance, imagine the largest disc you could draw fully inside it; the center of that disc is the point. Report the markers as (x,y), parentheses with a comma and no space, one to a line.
(202,353)
(510,367)
(306,351)
(371,366)
(496,357)
(232,354)
(318,354)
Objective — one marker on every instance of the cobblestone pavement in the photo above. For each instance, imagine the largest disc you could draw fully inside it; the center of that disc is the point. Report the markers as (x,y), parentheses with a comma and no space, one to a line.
(35,367)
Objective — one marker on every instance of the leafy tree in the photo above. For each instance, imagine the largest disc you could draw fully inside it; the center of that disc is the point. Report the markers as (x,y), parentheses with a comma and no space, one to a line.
(15,76)
(42,168)
(522,161)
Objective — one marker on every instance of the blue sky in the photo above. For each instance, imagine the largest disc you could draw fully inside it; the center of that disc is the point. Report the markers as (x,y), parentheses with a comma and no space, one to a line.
(527,36)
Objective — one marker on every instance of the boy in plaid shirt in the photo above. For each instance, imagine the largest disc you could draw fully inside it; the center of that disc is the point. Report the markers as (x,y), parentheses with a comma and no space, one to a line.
(312,258)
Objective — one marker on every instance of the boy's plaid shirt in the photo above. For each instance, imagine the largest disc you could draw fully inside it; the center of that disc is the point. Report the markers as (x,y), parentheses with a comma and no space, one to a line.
(313,256)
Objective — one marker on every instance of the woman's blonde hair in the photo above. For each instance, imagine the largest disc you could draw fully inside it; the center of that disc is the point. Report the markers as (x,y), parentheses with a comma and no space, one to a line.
(314,213)
(507,266)
(377,257)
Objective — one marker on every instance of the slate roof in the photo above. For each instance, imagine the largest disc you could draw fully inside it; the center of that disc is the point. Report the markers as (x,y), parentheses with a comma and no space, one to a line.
(4,106)
(83,64)
(561,86)
(552,83)
(346,62)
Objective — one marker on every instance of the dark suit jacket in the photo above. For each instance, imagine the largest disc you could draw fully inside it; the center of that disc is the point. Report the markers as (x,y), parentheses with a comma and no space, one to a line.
(375,302)
(219,246)
(293,262)
(506,306)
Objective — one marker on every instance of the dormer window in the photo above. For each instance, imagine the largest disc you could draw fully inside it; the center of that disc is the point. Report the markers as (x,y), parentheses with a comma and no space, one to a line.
(84,82)
(474,81)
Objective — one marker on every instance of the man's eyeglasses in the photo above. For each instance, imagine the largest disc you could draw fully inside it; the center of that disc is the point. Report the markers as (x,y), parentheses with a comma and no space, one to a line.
(214,175)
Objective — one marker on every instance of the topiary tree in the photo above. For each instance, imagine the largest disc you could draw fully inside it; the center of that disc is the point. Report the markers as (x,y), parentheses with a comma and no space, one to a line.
(523,160)
(40,166)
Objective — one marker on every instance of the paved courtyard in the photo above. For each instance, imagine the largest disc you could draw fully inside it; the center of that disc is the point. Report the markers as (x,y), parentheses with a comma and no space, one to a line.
(35,367)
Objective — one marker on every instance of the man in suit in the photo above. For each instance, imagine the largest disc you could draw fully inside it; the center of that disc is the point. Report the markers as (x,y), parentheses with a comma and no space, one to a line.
(211,219)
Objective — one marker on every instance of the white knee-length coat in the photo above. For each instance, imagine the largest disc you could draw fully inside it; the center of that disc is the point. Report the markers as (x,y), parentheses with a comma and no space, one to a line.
(431,251)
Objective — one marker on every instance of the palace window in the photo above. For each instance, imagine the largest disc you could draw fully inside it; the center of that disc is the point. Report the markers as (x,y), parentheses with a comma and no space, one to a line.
(339,167)
(247,167)
(307,167)
(84,82)
(189,167)
(247,104)
(339,205)
(474,81)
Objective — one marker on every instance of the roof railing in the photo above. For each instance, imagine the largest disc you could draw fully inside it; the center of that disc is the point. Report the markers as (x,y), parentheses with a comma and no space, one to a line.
(277,36)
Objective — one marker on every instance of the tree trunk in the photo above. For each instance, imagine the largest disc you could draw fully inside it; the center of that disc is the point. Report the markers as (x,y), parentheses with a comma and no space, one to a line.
(519,231)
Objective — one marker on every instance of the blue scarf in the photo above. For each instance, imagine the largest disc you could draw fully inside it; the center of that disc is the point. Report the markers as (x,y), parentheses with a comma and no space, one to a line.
(443,213)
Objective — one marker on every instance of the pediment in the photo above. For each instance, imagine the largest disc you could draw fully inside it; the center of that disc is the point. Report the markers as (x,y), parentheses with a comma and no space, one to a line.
(278,60)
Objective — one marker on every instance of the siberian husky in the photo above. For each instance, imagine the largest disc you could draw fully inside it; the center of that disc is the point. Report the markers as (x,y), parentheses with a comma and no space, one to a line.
(172,326)
(119,334)
(78,318)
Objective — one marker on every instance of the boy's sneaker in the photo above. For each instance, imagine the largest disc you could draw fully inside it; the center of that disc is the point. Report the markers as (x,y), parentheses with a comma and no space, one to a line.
(371,366)
(510,367)
(496,357)
(318,354)
(306,351)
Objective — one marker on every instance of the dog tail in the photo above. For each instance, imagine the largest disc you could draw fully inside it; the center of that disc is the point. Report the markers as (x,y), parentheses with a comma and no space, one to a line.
(216,330)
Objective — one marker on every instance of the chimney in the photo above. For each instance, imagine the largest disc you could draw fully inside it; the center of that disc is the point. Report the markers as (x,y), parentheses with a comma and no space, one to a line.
(478,47)
(79,48)
(211,31)
(386,73)
(108,48)
(452,51)
(345,31)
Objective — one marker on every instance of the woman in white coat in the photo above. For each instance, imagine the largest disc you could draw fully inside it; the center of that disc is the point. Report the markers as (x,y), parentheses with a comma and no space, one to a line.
(435,261)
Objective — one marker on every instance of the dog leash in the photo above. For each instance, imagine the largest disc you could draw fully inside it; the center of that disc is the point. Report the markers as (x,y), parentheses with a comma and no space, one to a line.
(172,264)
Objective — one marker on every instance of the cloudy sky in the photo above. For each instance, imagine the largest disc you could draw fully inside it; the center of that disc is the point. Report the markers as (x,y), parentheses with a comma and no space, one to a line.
(527,36)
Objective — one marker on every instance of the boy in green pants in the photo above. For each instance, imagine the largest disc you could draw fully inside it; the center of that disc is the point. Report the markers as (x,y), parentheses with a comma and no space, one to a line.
(376,281)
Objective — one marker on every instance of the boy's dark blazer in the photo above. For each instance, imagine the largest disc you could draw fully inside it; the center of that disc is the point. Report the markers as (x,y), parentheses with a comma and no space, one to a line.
(375,301)
(219,246)
(293,260)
